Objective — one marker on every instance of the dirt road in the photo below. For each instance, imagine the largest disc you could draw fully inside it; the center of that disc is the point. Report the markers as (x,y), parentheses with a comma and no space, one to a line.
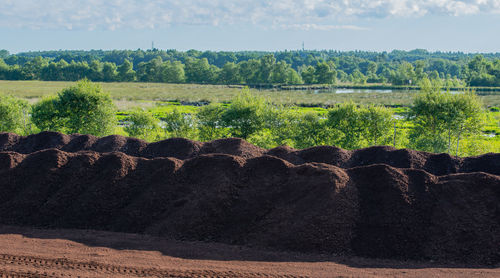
(27,252)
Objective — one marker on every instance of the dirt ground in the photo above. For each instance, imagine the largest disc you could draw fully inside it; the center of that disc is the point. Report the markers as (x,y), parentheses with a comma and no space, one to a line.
(28,252)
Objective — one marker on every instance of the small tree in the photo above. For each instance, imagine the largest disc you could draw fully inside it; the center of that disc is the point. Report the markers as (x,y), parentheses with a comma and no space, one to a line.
(324,74)
(141,124)
(310,131)
(14,115)
(378,122)
(281,124)
(45,116)
(441,118)
(126,71)
(209,122)
(83,108)
(177,124)
(246,114)
(347,119)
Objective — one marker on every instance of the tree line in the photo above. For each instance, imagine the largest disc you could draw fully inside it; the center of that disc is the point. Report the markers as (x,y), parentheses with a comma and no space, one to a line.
(437,121)
(250,67)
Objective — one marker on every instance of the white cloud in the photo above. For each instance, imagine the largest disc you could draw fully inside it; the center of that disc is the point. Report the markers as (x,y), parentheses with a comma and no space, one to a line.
(287,14)
(312,26)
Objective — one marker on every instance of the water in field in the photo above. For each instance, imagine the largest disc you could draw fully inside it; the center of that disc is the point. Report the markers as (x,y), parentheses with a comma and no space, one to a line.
(368,91)
(359,91)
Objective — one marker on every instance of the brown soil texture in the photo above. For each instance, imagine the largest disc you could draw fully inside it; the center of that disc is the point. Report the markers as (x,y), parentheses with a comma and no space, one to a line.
(28,252)
(180,148)
(376,202)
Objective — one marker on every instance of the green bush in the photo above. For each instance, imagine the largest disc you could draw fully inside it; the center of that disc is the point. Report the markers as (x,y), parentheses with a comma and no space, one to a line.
(14,115)
(141,124)
(83,108)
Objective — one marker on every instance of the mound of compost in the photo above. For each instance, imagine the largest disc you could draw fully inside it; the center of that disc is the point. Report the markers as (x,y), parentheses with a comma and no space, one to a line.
(377,202)
(181,148)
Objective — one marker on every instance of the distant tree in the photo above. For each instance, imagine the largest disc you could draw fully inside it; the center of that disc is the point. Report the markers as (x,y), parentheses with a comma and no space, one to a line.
(126,71)
(109,73)
(292,77)
(4,53)
(248,70)
(404,75)
(309,75)
(200,71)
(279,73)
(357,77)
(4,70)
(324,74)
(266,66)
(230,74)
(173,72)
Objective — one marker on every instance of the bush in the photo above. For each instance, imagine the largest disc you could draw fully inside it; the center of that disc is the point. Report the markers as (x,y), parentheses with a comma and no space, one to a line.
(142,125)
(14,115)
(210,122)
(246,114)
(177,124)
(442,118)
(83,108)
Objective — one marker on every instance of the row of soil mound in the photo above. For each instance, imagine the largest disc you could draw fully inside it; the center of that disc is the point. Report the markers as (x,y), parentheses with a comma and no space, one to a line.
(180,148)
(254,198)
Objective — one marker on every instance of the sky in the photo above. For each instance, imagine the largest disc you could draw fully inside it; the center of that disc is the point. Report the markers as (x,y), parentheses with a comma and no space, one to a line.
(375,25)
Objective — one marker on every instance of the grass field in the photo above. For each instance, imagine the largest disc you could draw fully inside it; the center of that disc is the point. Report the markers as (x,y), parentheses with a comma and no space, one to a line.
(161,98)
(127,95)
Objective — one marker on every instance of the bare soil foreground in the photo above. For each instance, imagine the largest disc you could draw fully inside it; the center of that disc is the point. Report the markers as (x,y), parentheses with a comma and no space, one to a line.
(377,202)
(28,252)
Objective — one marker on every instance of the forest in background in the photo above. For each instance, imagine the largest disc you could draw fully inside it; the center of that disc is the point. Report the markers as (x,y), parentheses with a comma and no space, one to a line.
(453,69)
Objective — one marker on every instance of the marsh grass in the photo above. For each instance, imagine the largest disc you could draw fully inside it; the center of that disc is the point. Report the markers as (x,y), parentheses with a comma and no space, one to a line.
(128,93)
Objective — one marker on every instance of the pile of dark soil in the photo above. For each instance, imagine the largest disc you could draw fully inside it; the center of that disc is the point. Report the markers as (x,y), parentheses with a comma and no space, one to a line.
(377,202)
(180,148)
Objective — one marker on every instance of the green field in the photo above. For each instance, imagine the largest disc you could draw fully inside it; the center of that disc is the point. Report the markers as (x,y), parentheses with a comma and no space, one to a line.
(161,98)
(127,95)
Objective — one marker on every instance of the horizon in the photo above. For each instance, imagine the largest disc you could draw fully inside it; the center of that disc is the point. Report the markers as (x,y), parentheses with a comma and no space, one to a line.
(254,50)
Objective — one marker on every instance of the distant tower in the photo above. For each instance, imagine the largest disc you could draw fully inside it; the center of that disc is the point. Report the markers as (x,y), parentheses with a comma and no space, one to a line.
(152,45)
(303,46)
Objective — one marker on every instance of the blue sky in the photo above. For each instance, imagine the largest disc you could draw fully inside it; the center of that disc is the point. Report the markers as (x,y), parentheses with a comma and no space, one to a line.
(446,25)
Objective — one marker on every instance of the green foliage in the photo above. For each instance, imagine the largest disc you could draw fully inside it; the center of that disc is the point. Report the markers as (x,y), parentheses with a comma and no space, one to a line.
(347,119)
(141,124)
(126,71)
(83,108)
(281,125)
(379,122)
(209,119)
(398,67)
(14,115)
(245,115)
(441,118)
(354,127)
(310,130)
(308,75)
(177,124)
(45,116)
(324,74)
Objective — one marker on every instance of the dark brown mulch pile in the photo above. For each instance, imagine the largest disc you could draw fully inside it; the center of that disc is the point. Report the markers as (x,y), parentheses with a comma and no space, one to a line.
(378,202)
